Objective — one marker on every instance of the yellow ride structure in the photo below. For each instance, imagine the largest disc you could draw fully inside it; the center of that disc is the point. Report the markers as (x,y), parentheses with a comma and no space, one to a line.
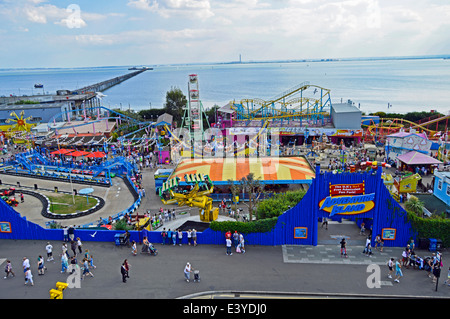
(385,126)
(193,194)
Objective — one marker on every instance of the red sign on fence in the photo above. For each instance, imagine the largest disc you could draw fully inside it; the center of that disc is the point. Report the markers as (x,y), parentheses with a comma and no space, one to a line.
(346,189)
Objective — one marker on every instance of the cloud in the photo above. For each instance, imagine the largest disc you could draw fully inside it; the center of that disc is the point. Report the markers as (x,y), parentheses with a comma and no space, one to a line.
(172,8)
(71,17)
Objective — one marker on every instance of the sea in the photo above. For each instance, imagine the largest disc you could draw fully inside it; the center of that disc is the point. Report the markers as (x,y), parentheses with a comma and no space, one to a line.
(387,85)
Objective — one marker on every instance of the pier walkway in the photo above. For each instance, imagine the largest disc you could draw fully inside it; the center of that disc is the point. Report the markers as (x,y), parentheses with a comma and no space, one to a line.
(102,86)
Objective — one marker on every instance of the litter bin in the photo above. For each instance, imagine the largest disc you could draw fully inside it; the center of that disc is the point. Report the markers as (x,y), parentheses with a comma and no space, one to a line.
(433,244)
(117,239)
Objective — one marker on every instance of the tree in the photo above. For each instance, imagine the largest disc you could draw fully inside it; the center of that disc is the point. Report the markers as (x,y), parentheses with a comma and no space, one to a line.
(255,189)
(415,206)
(175,102)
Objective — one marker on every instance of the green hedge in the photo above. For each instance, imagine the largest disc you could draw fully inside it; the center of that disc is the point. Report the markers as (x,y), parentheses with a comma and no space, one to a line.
(258,226)
(279,203)
(438,228)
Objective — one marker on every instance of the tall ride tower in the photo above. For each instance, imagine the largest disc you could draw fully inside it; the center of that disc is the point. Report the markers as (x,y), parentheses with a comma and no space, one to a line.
(193,116)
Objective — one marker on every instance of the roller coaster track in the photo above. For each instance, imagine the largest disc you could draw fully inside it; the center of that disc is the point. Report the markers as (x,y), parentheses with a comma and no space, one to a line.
(268,107)
(387,125)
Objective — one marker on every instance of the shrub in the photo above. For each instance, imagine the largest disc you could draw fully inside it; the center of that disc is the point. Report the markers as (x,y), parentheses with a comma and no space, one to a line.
(279,203)
(258,226)
(122,225)
(431,227)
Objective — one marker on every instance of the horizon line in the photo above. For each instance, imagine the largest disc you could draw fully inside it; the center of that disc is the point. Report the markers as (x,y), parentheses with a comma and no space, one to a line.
(400,57)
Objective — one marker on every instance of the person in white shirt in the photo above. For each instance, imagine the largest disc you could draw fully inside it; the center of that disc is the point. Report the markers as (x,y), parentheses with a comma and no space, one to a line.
(187,271)
(49,249)
(228,243)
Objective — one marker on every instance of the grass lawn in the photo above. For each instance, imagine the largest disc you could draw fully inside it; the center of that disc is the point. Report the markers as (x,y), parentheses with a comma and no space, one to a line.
(63,203)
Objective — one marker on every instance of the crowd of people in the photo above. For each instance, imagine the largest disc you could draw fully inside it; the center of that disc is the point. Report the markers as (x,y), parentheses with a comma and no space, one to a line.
(86,263)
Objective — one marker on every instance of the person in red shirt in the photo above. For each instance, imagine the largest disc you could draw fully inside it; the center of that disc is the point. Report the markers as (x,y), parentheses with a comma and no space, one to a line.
(228,235)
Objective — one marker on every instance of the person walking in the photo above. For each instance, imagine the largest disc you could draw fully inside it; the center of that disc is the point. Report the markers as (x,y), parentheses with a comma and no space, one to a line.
(242,243)
(86,270)
(25,264)
(65,250)
(8,270)
(41,266)
(325,223)
(391,264)
(127,268)
(134,248)
(73,246)
(79,245)
(123,271)
(187,271)
(343,248)
(64,263)
(49,249)
(28,276)
(398,270)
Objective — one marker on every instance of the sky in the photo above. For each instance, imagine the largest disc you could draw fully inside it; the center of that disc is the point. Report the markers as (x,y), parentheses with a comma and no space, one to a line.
(85,33)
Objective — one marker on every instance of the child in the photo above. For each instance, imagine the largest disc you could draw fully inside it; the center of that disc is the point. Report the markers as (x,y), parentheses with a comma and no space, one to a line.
(8,270)
(343,248)
(134,248)
(41,266)
(363,229)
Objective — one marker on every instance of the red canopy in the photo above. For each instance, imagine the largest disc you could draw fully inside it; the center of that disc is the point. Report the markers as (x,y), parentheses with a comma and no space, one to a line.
(77,153)
(62,151)
(96,154)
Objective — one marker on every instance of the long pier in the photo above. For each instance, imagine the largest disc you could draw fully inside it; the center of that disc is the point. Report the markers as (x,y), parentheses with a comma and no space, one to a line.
(102,86)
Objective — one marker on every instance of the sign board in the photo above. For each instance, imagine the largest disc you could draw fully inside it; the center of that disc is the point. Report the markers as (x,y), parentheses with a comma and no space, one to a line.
(5,227)
(301,232)
(388,233)
(347,199)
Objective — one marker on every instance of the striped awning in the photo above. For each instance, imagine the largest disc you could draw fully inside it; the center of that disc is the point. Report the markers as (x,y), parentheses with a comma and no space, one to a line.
(220,170)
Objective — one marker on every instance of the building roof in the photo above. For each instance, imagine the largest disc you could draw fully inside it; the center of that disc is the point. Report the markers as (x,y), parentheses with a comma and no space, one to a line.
(78,127)
(405,134)
(226,108)
(417,158)
(269,170)
(345,108)
(163,119)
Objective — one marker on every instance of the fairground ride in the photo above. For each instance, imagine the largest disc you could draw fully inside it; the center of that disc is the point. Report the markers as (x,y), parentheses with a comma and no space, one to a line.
(194,193)
(377,132)
(304,103)
(19,132)
(143,137)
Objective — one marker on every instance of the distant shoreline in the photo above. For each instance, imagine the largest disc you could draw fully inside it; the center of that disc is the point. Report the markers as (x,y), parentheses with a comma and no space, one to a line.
(414,57)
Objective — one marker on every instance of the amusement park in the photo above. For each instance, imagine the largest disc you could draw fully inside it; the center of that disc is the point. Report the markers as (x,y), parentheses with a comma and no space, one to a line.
(117,177)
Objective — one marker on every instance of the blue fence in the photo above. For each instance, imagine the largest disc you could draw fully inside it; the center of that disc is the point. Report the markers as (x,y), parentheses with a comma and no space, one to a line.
(387,213)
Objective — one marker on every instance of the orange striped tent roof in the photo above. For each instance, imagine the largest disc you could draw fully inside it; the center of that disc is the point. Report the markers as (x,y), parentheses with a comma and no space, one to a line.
(220,170)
